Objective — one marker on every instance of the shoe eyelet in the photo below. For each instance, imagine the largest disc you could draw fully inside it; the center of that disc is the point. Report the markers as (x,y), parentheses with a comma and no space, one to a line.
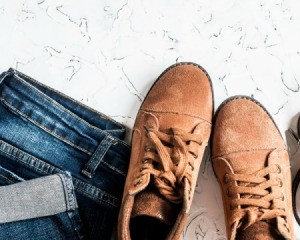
(147,149)
(195,156)
(280,183)
(138,182)
(282,197)
(144,161)
(278,168)
(228,193)
(192,168)
(287,228)
(225,180)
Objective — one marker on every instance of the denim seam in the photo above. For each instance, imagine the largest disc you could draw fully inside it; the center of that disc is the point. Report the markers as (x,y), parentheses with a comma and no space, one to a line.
(94,188)
(69,191)
(44,128)
(4,75)
(13,156)
(76,223)
(8,179)
(65,192)
(12,176)
(63,108)
(95,197)
(72,100)
(57,170)
(108,130)
(115,169)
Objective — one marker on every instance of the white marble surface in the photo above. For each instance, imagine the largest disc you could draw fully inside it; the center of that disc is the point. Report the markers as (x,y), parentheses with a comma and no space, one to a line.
(107,54)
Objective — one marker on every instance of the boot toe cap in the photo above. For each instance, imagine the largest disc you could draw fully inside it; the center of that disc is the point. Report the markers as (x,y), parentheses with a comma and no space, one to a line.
(242,125)
(183,89)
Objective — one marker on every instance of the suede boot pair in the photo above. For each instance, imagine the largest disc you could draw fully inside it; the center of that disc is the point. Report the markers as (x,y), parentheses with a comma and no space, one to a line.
(171,132)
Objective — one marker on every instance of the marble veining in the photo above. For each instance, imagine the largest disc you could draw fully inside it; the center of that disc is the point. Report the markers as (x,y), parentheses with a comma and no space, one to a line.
(107,54)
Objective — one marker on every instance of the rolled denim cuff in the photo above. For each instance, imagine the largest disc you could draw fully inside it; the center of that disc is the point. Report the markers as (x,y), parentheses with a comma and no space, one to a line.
(40,197)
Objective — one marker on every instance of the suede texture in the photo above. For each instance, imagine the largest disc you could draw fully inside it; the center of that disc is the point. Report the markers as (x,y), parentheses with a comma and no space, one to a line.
(258,231)
(180,98)
(155,203)
(242,125)
(188,89)
(246,137)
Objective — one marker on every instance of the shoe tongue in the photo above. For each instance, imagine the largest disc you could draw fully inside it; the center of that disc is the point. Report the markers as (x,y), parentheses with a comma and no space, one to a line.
(150,203)
(259,231)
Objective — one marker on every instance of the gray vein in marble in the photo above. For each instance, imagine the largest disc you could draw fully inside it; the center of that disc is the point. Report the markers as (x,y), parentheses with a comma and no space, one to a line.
(83,25)
(118,58)
(59,9)
(281,107)
(216,35)
(18,63)
(209,20)
(167,35)
(131,88)
(52,51)
(41,2)
(75,67)
(284,81)
(148,55)
(119,11)
(222,78)
(197,29)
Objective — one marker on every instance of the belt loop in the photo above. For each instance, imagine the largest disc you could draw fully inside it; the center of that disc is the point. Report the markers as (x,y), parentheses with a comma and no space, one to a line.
(97,157)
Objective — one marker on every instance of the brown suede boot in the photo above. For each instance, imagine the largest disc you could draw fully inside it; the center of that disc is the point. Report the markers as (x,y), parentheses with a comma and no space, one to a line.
(253,169)
(170,134)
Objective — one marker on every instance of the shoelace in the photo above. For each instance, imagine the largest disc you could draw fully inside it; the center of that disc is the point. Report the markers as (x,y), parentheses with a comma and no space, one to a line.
(170,159)
(256,200)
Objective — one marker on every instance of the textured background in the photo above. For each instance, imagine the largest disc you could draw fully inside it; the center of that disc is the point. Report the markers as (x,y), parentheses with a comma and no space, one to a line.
(107,54)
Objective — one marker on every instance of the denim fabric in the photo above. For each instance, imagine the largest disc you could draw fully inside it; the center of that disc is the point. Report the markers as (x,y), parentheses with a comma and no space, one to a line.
(42,208)
(43,132)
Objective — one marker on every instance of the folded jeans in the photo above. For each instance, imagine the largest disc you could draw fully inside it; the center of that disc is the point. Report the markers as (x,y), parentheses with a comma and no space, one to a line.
(43,132)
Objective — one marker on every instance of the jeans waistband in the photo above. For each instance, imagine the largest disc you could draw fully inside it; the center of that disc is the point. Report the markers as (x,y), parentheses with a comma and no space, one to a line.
(63,117)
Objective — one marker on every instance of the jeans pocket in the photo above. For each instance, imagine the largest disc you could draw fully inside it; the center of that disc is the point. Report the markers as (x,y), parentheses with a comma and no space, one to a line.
(40,209)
